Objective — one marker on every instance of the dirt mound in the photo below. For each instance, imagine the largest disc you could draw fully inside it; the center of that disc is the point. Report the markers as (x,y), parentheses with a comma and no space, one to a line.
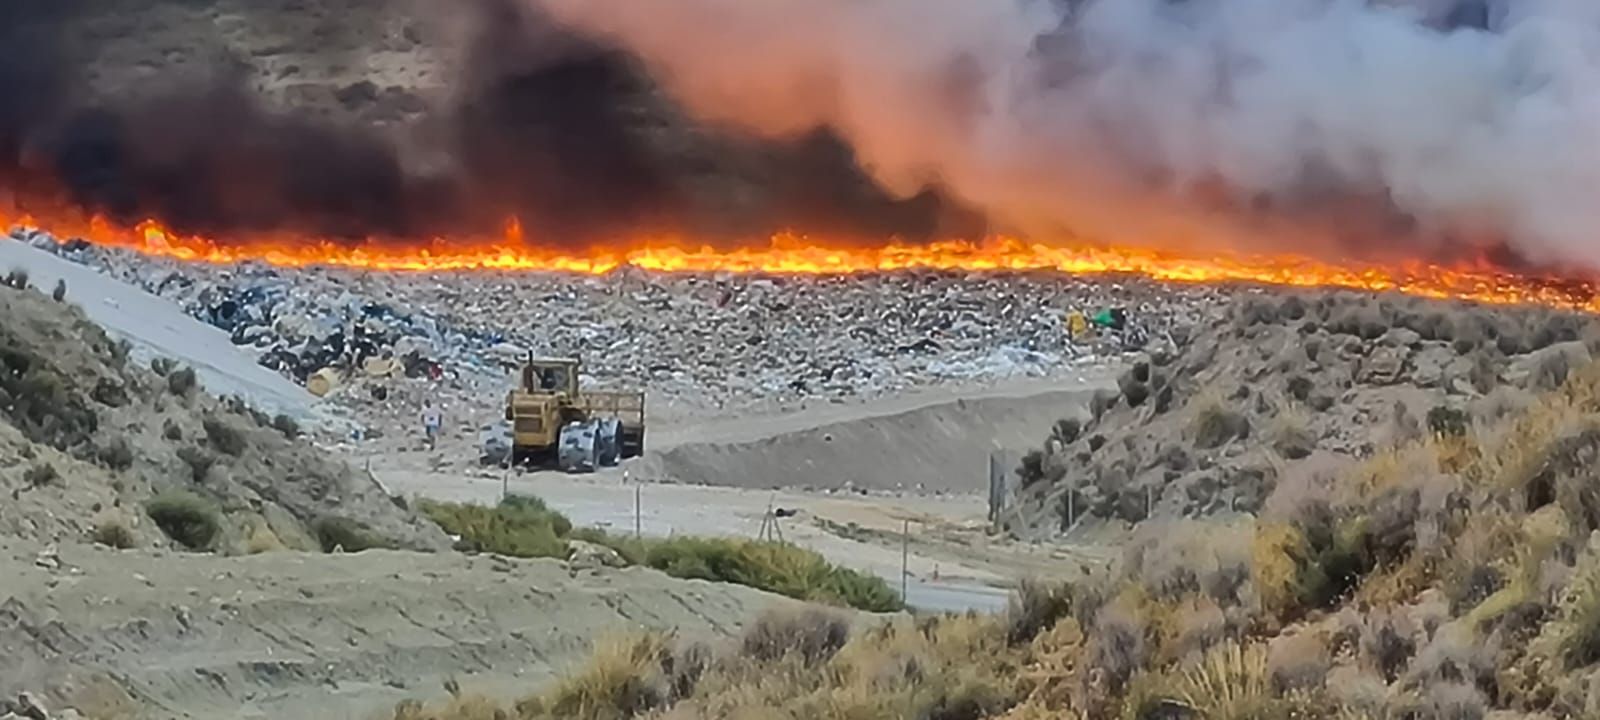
(1289,385)
(96,447)
(289,635)
(932,442)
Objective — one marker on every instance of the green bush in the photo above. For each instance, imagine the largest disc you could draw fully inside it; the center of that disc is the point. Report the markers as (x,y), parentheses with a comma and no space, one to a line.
(523,526)
(774,567)
(190,520)
(518,527)
(535,510)
(347,534)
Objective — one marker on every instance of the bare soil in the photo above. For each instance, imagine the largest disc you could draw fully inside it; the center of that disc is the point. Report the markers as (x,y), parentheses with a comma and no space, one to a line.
(287,635)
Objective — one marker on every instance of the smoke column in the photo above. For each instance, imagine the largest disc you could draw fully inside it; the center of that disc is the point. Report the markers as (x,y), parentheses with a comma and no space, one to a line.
(533,121)
(1452,122)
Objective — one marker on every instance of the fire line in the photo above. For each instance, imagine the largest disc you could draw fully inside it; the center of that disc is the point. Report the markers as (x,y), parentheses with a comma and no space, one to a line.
(797,254)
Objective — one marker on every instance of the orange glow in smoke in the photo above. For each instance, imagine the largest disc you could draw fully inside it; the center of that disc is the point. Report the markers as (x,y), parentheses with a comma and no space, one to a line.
(799,254)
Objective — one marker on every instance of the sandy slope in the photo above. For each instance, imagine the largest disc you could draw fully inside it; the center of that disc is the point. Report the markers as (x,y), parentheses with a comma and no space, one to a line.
(156,327)
(288,635)
(932,441)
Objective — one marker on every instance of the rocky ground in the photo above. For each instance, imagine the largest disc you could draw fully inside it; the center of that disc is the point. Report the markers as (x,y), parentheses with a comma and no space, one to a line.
(1287,388)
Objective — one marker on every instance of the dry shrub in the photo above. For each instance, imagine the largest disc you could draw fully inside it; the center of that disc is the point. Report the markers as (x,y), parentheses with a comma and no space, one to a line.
(1450,701)
(1358,695)
(181,382)
(286,425)
(1297,663)
(1276,556)
(1199,624)
(223,436)
(114,532)
(1118,642)
(117,455)
(1310,565)
(947,669)
(1172,559)
(1483,560)
(262,539)
(1577,627)
(1034,607)
(41,475)
(1387,642)
(1292,437)
(1214,423)
(1456,654)
(624,678)
(813,635)
(458,707)
(199,461)
(1232,682)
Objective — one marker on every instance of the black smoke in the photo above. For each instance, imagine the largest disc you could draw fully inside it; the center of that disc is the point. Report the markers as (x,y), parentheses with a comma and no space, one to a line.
(560,132)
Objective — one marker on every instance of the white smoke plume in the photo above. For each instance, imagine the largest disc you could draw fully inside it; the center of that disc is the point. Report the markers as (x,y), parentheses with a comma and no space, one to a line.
(1172,121)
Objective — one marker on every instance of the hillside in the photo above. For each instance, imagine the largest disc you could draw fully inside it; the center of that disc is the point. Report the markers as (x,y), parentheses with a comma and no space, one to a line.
(91,438)
(1444,568)
(167,553)
(1289,388)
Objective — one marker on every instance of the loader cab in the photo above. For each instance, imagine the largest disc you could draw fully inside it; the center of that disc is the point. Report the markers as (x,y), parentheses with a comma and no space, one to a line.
(549,376)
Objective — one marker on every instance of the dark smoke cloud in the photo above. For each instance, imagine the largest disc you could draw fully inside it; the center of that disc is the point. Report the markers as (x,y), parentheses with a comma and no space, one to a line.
(1204,123)
(546,125)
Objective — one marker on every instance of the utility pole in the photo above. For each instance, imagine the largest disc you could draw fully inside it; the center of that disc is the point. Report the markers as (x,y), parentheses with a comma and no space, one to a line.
(638,528)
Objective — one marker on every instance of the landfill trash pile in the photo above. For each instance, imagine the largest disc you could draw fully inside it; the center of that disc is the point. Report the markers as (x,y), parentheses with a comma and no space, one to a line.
(697,342)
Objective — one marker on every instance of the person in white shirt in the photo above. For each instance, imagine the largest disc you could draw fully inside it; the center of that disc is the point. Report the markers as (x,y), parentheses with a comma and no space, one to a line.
(432,420)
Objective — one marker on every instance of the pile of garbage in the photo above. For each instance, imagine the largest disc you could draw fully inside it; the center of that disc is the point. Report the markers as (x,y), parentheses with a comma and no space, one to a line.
(695,341)
(317,335)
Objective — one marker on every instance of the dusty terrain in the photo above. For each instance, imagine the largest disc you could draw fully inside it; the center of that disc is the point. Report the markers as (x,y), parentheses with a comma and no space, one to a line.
(142,633)
(259,623)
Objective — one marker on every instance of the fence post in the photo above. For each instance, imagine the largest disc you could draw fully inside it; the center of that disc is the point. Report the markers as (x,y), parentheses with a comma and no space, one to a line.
(905,558)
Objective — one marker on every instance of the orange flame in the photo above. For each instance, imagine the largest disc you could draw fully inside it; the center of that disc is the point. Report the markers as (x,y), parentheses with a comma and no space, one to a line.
(799,254)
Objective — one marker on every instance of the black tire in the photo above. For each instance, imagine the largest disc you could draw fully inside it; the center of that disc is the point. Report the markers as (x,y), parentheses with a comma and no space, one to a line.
(632,443)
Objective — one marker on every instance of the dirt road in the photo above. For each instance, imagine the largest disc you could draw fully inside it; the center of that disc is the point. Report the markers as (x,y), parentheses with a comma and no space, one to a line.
(911,441)
(288,635)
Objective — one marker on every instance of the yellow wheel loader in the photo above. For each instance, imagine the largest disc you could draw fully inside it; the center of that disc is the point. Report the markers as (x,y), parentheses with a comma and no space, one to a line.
(555,423)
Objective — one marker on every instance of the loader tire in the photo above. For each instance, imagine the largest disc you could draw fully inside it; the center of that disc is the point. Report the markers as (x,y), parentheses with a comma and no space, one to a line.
(577,449)
(608,442)
(632,443)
